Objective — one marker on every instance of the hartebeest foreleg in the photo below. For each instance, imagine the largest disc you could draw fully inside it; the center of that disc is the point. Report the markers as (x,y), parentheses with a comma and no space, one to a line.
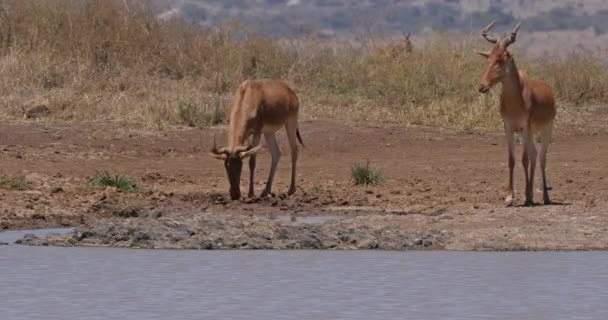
(255,142)
(529,163)
(545,138)
(275,153)
(511,146)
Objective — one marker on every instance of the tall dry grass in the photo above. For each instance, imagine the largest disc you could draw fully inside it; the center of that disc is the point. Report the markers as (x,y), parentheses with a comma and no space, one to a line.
(112,60)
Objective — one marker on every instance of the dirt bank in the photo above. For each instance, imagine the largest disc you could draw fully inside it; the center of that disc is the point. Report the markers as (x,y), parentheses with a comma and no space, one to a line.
(443,190)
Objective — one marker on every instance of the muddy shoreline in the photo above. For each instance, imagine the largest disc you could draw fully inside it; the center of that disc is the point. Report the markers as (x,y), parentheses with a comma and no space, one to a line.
(442,191)
(338,228)
(208,231)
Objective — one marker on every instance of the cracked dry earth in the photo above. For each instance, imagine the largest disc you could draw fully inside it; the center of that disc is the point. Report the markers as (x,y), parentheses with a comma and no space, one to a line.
(443,190)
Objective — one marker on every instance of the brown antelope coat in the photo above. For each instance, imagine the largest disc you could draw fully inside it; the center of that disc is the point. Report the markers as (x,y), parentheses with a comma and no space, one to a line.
(259,107)
(526,106)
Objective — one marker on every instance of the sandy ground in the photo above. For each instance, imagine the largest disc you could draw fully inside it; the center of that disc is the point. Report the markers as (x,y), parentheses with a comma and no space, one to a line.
(443,190)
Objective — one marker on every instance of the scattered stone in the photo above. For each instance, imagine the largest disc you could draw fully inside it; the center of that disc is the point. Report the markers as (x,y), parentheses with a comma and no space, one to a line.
(38,216)
(155,213)
(57,190)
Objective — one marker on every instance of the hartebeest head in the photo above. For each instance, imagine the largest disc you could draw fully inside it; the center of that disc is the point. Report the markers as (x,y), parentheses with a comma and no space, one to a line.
(497,57)
(233,162)
(406,44)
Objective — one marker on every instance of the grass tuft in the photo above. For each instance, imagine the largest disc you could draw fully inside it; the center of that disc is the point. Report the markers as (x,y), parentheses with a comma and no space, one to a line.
(363,174)
(316,189)
(118,181)
(18,183)
(200,116)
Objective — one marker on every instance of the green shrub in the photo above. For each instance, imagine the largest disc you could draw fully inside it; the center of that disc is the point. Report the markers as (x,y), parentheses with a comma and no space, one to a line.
(118,181)
(363,174)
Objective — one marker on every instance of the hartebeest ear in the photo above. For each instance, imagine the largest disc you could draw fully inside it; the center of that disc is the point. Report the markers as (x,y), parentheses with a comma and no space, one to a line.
(483,54)
(252,151)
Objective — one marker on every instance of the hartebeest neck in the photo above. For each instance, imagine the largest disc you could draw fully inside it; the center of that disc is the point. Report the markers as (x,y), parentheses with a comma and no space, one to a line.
(512,97)
(240,128)
(236,134)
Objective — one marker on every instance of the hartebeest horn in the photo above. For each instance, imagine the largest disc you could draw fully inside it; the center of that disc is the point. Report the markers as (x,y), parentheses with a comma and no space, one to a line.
(508,41)
(406,35)
(241,149)
(218,153)
(485,34)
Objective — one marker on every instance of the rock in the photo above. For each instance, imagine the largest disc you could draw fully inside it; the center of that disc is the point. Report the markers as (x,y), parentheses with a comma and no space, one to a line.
(208,245)
(37,111)
(155,213)
(38,216)
(57,190)
(141,236)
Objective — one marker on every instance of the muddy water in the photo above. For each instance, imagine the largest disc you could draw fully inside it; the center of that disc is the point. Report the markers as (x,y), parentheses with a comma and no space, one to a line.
(102,283)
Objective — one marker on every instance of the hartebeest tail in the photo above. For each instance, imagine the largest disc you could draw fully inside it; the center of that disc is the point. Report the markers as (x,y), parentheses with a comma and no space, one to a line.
(526,106)
(259,107)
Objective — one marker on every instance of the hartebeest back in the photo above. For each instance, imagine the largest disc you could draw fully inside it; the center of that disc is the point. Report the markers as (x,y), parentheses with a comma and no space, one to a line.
(526,106)
(259,107)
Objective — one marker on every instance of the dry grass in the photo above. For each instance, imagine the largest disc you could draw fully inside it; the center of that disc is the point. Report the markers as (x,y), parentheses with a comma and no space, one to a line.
(112,60)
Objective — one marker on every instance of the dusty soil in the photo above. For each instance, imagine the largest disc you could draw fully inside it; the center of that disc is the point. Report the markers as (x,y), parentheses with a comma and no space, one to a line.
(443,190)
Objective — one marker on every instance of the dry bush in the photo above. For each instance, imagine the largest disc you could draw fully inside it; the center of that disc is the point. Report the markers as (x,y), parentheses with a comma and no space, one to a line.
(112,60)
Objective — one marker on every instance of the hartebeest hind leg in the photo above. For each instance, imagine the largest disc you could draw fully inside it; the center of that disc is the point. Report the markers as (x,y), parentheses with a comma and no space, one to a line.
(292,127)
(275,153)
(254,143)
(511,146)
(545,139)
(529,162)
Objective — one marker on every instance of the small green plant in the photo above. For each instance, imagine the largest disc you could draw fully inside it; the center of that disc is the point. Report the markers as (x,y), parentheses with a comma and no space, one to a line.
(118,181)
(316,189)
(366,175)
(14,183)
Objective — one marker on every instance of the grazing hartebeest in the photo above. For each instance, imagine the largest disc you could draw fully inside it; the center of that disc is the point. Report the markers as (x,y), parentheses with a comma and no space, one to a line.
(259,106)
(526,106)
(396,49)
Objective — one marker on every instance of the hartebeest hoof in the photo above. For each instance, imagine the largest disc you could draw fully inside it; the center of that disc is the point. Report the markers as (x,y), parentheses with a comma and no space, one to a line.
(546,199)
(509,201)
(291,191)
(528,203)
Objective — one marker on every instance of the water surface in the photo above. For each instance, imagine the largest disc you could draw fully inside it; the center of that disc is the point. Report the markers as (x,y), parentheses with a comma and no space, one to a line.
(102,283)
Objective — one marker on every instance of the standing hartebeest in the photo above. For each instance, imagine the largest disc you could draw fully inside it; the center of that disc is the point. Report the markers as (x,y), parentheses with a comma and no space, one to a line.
(259,107)
(526,106)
